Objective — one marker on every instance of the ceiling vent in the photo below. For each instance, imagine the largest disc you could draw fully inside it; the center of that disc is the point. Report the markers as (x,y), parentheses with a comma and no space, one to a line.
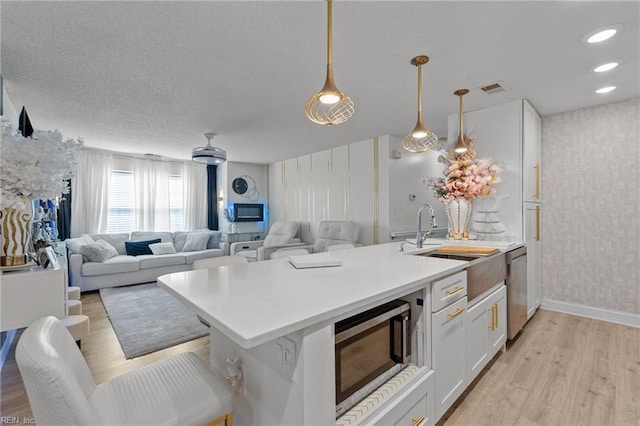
(492,88)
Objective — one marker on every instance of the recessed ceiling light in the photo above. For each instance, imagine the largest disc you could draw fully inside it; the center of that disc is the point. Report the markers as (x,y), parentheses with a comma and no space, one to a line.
(605,67)
(606,89)
(602,34)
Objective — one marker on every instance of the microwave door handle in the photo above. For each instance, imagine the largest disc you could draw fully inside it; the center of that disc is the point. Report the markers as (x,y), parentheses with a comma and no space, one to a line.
(402,355)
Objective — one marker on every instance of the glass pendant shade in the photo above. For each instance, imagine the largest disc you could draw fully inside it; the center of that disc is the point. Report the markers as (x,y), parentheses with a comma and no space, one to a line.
(329,106)
(420,139)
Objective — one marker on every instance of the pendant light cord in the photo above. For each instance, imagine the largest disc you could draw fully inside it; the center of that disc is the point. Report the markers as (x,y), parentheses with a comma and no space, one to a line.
(329,31)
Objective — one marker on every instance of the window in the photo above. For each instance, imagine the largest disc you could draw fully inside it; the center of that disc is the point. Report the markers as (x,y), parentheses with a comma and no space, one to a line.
(176,206)
(121,216)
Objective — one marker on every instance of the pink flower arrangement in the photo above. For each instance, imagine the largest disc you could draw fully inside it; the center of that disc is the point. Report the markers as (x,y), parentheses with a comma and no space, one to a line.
(467,179)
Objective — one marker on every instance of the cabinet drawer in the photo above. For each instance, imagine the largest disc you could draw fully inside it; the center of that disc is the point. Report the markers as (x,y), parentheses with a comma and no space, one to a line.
(448,290)
(414,407)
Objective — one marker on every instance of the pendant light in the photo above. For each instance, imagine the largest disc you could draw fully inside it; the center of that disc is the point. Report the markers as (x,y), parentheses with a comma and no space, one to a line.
(462,150)
(420,139)
(329,106)
(209,154)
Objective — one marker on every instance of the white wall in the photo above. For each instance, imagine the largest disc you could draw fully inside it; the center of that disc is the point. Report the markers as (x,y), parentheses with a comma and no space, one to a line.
(405,179)
(344,183)
(362,182)
(9,112)
(591,214)
(258,193)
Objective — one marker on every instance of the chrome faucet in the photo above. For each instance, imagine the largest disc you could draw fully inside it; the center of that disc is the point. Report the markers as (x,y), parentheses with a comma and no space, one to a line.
(432,224)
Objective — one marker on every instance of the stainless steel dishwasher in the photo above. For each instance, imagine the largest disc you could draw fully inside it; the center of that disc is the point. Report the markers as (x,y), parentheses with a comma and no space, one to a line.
(516,291)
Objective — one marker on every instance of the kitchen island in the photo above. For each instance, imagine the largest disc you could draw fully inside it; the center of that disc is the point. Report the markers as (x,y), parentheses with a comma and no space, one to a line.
(279,321)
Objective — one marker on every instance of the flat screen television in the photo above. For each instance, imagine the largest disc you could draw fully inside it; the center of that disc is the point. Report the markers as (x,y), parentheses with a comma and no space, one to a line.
(248,212)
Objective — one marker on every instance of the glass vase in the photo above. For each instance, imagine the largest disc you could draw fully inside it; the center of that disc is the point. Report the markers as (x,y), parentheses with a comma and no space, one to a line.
(16,233)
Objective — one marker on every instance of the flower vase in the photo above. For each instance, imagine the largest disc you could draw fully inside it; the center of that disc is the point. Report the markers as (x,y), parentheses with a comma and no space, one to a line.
(458,213)
(16,232)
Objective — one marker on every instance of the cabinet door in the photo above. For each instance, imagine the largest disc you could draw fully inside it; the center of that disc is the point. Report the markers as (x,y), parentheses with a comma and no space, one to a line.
(449,354)
(477,329)
(497,313)
(532,239)
(532,154)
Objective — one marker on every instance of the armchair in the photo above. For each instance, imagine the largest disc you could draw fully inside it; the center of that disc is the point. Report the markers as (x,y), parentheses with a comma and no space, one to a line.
(330,233)
(281,235)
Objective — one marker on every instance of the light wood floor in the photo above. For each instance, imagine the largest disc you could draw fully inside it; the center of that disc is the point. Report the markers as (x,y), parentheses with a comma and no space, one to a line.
(561,370)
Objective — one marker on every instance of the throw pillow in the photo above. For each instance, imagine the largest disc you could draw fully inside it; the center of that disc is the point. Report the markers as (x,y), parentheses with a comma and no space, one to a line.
(74,244)
(162,248)
(214,239)
(137,248)
(98,251)
(196,241)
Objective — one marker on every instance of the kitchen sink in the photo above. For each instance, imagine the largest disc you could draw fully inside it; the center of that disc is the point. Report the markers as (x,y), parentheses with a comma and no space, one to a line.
(483,274)
(457,256)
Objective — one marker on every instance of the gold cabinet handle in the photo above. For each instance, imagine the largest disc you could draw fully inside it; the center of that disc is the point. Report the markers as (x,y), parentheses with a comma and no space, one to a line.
(497,319)
(537,223)
(493,318)
(417,421)
(537,193)
(456,313)
(455,290)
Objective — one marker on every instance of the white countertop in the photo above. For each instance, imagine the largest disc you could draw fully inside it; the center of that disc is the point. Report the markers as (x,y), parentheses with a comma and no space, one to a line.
(257,302)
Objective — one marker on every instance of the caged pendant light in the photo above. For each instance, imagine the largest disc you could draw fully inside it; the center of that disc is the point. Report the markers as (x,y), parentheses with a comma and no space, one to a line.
(329,106)
(462,150)
(420,139)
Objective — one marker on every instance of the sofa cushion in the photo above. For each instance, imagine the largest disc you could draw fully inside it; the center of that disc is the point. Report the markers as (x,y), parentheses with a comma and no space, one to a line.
(98,251)
(196,241)
(148,261)
(162,248)
(165,237)
(116,240)
(190,256)
(75,244)
(136,248)
(180,237)
(116,264)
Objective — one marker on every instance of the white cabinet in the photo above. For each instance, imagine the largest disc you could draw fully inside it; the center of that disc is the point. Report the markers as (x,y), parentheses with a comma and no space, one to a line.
(485,330)
(532,154)
(28,295)
(449,354)
(511,135)
(412,408)
(533,240)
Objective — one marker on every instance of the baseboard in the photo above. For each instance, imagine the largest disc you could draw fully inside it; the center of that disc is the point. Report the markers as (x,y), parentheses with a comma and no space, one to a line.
(617,317)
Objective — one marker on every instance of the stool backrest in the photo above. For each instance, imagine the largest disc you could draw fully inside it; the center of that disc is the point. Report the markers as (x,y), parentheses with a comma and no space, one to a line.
(55,375)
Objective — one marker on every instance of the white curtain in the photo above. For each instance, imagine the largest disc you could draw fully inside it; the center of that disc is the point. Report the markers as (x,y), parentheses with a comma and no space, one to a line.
(151,183)
(194,179)
(90,197)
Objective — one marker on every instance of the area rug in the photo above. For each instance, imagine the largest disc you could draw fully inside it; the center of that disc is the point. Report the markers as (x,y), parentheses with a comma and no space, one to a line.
(146,318)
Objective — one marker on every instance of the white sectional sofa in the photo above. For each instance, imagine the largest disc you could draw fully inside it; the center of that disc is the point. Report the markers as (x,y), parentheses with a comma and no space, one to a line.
(123,269)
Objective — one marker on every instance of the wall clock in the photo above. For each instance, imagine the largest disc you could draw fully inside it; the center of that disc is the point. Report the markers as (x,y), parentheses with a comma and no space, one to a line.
(239,185)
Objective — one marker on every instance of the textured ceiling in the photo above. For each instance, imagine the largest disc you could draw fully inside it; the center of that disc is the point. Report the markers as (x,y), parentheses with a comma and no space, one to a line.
(152,77)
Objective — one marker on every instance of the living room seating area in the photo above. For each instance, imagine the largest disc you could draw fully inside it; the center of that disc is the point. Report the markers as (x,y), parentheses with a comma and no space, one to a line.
(109,260)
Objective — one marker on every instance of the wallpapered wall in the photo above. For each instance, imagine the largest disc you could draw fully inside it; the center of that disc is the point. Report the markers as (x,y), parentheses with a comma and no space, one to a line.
(591,206)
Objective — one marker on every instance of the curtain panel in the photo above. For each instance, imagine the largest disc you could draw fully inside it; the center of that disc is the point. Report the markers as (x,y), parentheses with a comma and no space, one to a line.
(90,201)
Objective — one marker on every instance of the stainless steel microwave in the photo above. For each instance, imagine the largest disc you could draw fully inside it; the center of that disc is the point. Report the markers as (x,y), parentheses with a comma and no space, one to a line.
(370,348)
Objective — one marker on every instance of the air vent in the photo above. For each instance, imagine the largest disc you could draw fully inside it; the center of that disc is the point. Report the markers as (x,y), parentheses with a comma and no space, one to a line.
(492,88)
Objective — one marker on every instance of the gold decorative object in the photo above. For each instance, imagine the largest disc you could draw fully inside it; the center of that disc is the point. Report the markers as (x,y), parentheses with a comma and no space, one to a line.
(420,139)
(462,150)
(15,224)
(329,106)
